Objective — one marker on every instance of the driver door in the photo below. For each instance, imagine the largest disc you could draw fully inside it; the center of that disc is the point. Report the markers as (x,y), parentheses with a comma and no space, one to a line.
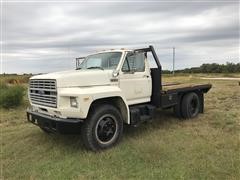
(135,80)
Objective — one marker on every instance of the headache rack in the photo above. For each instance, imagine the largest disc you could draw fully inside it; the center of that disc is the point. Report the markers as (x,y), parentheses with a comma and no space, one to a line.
(43,92)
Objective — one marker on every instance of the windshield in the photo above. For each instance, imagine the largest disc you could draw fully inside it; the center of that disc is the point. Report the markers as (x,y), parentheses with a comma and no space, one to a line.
(107,60)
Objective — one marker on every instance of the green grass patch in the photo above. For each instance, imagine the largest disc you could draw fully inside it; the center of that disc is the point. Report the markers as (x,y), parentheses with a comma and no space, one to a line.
(11,96)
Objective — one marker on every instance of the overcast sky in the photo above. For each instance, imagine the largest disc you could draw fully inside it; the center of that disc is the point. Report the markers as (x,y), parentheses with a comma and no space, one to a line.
(47,36)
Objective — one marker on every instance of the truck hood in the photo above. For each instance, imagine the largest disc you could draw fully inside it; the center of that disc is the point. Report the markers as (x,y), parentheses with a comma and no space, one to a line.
(77,78)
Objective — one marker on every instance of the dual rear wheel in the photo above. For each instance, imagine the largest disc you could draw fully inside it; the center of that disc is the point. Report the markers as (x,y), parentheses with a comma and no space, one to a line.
(188,107)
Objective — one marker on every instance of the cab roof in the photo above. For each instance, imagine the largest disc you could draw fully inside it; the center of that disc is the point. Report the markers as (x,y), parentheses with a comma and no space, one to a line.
(115,50)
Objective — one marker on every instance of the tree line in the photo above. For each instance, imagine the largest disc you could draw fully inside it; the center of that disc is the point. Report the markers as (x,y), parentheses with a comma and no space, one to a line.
(210,68)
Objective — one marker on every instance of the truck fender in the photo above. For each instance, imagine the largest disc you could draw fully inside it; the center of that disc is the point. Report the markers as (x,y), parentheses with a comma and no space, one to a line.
(118,102)
(110,95)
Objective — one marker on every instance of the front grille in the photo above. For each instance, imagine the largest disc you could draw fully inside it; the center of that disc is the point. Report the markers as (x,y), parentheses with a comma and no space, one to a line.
(43,92)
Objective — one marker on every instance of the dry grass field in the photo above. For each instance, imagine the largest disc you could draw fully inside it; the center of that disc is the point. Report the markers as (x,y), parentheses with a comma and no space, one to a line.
(207,147)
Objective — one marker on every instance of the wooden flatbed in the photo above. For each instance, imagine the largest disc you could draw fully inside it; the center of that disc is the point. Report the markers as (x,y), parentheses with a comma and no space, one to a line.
(178,87)
(171,94)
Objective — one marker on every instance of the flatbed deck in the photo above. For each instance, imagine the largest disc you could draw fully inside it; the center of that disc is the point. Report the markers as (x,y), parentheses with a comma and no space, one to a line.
(178,87)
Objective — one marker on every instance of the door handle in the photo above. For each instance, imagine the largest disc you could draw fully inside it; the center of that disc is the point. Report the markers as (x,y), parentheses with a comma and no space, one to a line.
(146,76)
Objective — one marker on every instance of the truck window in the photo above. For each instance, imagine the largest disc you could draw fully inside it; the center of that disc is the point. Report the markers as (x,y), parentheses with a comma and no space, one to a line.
(134,62)
(94,62)
(107,60)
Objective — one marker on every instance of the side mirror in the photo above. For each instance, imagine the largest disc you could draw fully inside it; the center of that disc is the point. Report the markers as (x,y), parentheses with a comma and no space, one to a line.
(79,60)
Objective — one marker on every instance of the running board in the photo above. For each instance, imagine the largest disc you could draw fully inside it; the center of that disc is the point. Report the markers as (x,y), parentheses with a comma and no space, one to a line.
(141,113)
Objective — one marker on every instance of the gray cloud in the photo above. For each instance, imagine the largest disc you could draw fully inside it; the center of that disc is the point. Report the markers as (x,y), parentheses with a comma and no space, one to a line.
(44,37)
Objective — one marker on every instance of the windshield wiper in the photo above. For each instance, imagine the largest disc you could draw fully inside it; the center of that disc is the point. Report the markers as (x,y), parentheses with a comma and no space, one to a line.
(95,67)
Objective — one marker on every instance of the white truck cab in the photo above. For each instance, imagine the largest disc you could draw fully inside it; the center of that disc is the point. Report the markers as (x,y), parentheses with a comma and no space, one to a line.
(105,90)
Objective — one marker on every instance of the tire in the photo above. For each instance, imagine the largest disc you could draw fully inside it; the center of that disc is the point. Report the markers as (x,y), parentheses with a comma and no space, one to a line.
(103,128)
(190,105)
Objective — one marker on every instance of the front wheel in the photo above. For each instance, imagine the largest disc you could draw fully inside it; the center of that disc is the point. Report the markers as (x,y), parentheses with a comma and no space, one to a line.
(103,128)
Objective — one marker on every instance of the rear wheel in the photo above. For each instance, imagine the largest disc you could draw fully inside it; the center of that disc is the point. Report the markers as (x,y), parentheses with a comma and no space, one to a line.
(190,105)
(103,128)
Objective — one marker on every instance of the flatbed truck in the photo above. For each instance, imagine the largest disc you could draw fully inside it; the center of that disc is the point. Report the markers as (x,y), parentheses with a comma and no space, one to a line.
(107,90)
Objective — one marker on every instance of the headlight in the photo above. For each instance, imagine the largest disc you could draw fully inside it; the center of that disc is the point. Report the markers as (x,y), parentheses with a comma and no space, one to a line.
(73,102)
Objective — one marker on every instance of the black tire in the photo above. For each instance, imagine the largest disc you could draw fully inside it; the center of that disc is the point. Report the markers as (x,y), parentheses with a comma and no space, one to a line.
(190,105)
(103,128)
